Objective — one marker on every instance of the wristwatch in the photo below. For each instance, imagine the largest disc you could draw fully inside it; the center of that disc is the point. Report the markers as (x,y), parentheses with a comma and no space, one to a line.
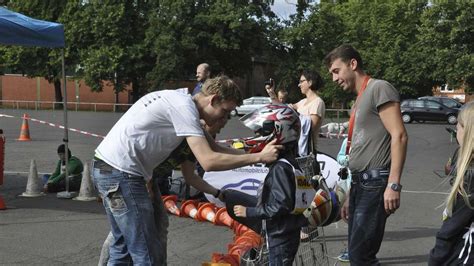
(395,187)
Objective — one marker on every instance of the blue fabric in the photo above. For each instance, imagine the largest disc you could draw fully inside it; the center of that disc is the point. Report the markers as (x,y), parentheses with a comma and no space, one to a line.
(131,217)
(18,29)
(197,89)
(367,220)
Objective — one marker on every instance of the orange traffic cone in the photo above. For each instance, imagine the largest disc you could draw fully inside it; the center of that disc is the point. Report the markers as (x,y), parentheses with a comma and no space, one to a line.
(206,212)
(225,258)
(239,229)
(25,130)
(170,204)
(2,203)
(240,249)
(223,218)
(188,208)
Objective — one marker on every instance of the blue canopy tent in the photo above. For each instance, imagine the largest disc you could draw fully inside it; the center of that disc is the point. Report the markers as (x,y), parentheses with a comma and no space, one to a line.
(18,29)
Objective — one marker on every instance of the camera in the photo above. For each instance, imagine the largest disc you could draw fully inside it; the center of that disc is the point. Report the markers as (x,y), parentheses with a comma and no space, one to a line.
(343,173)
(270,82)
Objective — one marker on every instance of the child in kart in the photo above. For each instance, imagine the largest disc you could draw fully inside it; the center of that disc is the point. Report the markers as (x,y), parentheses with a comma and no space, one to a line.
(280,199)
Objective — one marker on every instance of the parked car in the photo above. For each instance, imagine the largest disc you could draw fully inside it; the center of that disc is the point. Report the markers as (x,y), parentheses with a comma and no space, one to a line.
(427,110)
(449,102)
(251,104)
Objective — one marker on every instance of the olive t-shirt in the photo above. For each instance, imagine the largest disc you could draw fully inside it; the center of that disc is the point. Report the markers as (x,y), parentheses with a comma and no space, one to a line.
(370,147)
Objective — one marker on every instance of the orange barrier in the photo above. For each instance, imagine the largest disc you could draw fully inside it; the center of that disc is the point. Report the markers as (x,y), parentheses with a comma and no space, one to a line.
(223,218)
(2,203)
(229,259)
(2,155)
(206,212)
(2,161)
(188,208)
(239,229)
(25,129)
(170,204)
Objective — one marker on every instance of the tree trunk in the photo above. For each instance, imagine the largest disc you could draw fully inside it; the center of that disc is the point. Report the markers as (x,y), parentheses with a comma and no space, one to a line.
(58,94)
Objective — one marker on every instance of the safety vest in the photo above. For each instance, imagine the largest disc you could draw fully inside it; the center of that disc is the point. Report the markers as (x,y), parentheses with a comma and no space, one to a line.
(304,192)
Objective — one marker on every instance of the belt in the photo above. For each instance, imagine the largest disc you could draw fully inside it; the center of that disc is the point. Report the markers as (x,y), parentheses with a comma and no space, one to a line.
(103,166)
(357,177)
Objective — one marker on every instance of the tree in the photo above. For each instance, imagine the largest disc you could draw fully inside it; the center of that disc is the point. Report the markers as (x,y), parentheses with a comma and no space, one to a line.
(106,41)
(34,61)
(225,34)
(446,43)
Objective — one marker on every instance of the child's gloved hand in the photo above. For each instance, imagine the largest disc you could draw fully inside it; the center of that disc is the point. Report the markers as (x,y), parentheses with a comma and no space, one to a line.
(240,211)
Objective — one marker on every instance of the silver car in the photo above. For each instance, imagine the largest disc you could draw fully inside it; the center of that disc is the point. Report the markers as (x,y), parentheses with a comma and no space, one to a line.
(251,104)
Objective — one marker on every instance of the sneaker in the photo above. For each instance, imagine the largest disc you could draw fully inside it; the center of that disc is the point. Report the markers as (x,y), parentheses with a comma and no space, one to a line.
(344,256)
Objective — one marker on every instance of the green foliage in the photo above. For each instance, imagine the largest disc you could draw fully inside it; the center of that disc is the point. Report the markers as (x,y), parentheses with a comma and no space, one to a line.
(413,44)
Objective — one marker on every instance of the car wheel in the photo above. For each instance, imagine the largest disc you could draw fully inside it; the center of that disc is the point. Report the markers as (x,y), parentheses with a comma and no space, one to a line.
(233,113)
(452,119)
(406,118)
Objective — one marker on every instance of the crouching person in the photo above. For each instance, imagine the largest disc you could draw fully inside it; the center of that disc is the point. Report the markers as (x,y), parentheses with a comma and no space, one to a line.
(56,181)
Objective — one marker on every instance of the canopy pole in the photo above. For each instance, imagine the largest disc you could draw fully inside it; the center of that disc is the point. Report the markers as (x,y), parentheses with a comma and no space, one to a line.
(65,140)
(65,194)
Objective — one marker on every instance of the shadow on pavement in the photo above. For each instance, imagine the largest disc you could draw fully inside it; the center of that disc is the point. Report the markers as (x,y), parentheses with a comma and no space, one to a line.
(410,233)
(14,185)
(418,259)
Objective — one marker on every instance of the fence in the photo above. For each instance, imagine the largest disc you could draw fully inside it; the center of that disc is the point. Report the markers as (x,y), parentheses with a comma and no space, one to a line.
(337,115)
(76,106)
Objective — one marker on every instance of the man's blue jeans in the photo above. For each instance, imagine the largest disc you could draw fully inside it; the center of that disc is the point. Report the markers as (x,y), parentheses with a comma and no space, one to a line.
(131,217)
(367,219)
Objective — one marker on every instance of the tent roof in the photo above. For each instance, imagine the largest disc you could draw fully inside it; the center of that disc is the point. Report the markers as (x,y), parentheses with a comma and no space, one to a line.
(18,29)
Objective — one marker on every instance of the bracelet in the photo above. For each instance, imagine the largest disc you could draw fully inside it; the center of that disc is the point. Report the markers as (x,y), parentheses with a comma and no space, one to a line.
(218,193)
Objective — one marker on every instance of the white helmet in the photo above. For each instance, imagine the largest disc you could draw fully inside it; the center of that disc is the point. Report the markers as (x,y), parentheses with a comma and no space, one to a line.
(274,122)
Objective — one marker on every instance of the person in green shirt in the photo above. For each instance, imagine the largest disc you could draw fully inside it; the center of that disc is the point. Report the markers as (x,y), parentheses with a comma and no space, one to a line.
(56,181)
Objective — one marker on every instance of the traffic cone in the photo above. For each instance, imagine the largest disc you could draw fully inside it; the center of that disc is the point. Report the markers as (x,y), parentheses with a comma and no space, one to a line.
(170,204)
(240,249)
(225,259)
(25,129)
(2,204)
(34,184)
(223,218)
(188,208)
(240,229)
(206,212)
(87,191)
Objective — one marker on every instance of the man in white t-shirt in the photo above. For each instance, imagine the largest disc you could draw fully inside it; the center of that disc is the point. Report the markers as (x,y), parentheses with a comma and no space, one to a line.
(145,135)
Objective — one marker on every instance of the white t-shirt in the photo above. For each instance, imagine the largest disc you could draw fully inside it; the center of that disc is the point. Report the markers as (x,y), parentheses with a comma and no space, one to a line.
(149,131)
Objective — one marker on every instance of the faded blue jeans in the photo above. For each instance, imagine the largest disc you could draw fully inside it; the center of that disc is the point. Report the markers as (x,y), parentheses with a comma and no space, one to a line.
(131,217)
(367,220)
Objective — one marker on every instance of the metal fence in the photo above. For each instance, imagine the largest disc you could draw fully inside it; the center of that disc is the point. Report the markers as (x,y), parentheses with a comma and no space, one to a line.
(74,106)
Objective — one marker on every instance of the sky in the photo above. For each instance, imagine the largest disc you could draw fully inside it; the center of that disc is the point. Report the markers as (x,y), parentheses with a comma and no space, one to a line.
(284,8)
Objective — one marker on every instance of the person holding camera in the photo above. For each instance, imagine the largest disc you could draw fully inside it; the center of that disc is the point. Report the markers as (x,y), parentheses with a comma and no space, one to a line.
(311,109)
(279,97)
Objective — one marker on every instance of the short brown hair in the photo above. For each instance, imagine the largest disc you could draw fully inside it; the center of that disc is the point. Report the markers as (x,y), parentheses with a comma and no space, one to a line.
(346,53)
(225,88)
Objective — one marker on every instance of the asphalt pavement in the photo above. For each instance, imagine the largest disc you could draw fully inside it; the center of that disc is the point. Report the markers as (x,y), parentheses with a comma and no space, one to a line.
(51,231)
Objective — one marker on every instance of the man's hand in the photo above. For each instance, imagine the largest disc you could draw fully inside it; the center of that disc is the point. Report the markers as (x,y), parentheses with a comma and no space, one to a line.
(391,200)
(345,209)
(270,152)
(240,211)
(271,91)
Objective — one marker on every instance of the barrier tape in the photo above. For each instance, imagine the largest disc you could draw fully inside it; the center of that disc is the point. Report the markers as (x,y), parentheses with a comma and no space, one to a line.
(55,125)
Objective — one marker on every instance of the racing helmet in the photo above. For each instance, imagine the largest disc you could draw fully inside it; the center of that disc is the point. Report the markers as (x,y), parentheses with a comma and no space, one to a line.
(320,209)
(274,121)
